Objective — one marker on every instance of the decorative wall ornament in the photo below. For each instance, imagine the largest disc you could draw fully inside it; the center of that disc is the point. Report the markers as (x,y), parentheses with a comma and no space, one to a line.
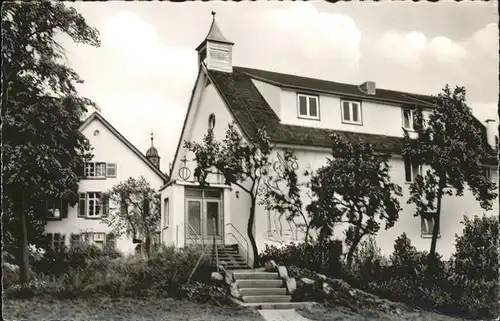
(284,162)
(184,172)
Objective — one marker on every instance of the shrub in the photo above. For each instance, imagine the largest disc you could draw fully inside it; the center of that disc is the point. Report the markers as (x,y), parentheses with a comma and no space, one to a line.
(320,257)
(368,263)
(87,271)
(77,257)
(475,266)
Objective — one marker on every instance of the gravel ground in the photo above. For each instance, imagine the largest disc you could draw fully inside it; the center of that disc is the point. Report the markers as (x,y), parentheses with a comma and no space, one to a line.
(104,309)
(320,313)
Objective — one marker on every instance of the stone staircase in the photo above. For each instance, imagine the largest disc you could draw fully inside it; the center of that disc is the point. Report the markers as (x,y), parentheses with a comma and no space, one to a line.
(230,258)
(262,288)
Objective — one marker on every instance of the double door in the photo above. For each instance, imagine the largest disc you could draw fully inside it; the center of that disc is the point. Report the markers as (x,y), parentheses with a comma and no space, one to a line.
(204,219)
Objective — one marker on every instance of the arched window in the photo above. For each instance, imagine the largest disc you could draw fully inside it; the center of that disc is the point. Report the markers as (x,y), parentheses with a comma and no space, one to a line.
(211,121)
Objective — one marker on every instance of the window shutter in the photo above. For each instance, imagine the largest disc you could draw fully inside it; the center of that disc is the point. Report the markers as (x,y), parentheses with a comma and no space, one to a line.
(82,205)
(105,204)
(111,241)
(111,170)
(74,239)
(64,209)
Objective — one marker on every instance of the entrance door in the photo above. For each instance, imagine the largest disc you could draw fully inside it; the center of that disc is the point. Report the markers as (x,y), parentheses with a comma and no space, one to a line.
(194,218)
(204,215)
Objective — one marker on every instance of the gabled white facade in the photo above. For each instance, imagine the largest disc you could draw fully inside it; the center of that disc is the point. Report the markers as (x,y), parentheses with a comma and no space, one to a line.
(127,162)
(374,117)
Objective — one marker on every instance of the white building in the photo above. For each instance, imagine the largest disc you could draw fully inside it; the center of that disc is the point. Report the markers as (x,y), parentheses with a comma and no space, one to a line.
(299,113)
(115,160)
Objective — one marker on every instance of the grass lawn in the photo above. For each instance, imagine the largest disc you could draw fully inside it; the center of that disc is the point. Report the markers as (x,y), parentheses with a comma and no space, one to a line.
(321,313)
(104,309)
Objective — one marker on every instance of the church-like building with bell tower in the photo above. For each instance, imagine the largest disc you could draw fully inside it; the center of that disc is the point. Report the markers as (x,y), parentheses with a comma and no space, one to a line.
(152,154)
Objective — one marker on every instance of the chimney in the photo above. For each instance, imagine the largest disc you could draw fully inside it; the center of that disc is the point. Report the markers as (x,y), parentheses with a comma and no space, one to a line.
(491,130)
(368,87)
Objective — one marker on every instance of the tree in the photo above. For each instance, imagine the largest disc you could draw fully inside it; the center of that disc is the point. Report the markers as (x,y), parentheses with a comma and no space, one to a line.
(241,163)
(451,145)
(354,187)
(134,210)
(43,150)
(282,191)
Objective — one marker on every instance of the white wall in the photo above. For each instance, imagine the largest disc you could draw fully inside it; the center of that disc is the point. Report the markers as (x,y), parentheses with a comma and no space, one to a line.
(107,148)
(454,208)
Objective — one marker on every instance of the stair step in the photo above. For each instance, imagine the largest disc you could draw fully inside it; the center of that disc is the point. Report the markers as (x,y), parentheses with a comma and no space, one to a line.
(256,275)
(260,283)
(266,298)
(235,266)
(230,259)
(272,306)
(262,291)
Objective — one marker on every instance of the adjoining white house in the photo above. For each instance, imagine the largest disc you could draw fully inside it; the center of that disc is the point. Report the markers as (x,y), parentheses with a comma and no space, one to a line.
(298,113)
(115,160)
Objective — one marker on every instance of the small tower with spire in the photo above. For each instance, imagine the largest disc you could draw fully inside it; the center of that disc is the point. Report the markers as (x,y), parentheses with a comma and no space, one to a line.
(216,51)
(152,154)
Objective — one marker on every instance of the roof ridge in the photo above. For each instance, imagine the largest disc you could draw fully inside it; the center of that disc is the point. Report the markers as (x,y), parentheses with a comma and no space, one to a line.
(250,71)
(123,139)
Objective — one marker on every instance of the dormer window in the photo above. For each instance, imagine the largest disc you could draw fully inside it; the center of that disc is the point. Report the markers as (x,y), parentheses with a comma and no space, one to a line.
(351,112)
(408,119)
(308,106)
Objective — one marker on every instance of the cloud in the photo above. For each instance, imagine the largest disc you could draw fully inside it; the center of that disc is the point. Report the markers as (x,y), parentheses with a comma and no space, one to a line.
(413,47)
(139,82)
(403,48)
(300,34)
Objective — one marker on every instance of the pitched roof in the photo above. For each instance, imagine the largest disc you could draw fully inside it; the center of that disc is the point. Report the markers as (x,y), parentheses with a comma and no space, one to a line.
(214,34)
(115,132)
(251,110)
(342,89)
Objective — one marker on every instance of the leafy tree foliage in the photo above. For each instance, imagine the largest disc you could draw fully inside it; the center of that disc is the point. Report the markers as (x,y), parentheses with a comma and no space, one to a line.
(43,150)
(134,210)
(243,164)
(354,187)
(476,254)
(282,191)
(452,146)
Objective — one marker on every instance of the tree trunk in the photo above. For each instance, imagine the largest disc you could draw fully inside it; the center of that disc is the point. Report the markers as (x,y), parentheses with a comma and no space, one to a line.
(251,219)
(437,219)
(353,247)
(24,267)
(147,245)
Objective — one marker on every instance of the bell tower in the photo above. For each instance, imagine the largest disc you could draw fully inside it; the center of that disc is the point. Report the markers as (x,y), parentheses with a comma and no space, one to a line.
(216,51)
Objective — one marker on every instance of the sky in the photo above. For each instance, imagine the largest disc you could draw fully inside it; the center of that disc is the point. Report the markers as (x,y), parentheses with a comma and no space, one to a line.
(144,71)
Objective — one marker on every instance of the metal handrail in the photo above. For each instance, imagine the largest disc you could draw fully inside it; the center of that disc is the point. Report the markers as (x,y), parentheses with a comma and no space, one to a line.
(215,246)
(246,242)
(198,237)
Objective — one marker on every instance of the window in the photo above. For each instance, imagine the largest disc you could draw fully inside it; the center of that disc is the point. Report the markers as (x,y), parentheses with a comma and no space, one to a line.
(166,216)
(56,241)
(411,171)
(100,170)
(97,239)
(111,170)
(308,106)
(408,119)
(56,208)
(351,112)
(427,225)
(93,205)
(211,121)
